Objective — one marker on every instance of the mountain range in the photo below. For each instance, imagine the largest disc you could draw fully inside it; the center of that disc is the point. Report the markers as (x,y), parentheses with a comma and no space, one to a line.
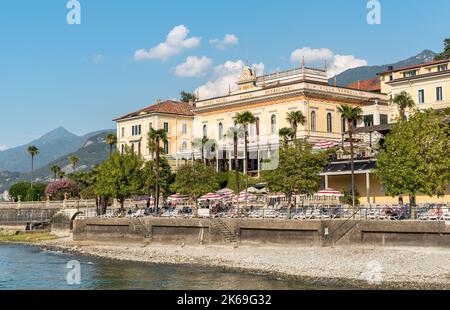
(370,72)
(91,149)
(52,145)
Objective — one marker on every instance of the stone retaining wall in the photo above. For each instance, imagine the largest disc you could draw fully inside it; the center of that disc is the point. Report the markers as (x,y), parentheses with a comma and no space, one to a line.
(264,231)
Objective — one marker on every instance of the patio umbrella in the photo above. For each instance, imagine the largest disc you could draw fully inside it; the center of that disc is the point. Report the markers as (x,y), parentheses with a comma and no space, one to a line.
(252,190)
(324,145)
(244,197)
(329,192)
(210,196)
(177,197)
(225,191)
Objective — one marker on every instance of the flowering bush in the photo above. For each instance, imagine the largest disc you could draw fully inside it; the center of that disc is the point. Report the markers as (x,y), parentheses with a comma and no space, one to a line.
(56,190)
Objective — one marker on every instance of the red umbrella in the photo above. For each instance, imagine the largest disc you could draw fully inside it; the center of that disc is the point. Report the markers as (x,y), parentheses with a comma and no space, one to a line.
(323,145)
(329,192)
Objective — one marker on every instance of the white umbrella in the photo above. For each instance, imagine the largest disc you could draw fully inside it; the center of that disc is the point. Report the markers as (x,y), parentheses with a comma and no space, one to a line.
(177,197)
(244,197)
(323,145)
(329,192)
(210,196)
(252,189)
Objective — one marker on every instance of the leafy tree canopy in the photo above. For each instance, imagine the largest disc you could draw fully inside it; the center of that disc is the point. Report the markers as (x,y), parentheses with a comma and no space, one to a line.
(446,53)
(186,96)
(120,176)
(416,156)
(298,170)
(166,177)
(196,180)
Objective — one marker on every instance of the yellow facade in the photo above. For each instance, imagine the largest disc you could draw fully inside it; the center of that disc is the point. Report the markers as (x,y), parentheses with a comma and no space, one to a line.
(428,84)
(179,133)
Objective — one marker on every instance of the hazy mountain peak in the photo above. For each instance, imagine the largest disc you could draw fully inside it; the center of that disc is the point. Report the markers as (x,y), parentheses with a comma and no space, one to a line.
(370,72)
(56,134)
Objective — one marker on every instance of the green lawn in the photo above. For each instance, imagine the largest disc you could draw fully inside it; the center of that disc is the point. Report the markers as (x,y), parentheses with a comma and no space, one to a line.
(21,236)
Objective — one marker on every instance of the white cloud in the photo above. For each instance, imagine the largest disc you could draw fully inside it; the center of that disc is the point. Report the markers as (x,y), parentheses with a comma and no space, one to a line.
(224,78)
(336,63)
(229,39)
(194,67)
(97,57)
(3,148)
(177,40)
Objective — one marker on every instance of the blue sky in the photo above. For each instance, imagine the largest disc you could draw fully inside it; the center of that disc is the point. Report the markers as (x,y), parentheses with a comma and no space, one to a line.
(82,76)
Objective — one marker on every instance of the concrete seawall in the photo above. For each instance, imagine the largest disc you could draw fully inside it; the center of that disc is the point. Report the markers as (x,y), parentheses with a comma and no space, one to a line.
(264,231)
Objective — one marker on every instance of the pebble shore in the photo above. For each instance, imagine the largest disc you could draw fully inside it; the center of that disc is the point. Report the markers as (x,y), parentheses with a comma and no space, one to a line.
(347,266)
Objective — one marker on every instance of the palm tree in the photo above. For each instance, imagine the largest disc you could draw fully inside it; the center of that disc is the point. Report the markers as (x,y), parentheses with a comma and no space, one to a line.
(33,151)
(245,119)
(286,133)
(74,160)
(352,115)
(55,169)
(156,137)
(234,132)
(61,174)
(295,118)
(111,139)
(403,102)
(201,143)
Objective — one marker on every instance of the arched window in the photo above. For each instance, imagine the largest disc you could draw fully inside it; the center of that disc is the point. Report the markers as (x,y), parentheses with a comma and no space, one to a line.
(123,148)
(273,124)
(329,122)
(257,126)
(132,148)
(184,146)
(343,123)
(313,121)
(220,132)
(205,131)
(166,147)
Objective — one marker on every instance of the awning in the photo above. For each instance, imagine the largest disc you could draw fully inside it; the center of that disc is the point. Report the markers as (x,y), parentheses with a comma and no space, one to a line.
(329,192)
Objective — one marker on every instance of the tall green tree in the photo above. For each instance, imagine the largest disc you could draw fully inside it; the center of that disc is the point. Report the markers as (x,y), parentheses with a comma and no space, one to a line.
(55,169)
(352,115)
(157,136)
(187,97)
(196,180)
(245,119)
(201,143)
(295,118)
(233,134)
(74,160)
(446,53)
(297,172)
(286,134)
(166,177)
(111,140)
(403,101)
(61,174)
(120,176)
(33,151)
(416,157)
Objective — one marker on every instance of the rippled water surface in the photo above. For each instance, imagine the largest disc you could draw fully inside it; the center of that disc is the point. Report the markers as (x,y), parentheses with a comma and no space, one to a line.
(23,267)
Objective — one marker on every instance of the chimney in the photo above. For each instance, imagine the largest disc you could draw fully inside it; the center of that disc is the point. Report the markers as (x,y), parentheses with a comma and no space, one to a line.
(158,101)
(390,68)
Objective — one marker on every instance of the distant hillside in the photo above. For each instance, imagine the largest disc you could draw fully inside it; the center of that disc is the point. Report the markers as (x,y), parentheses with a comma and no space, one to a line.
(53,145)
(92,152)
(370,72)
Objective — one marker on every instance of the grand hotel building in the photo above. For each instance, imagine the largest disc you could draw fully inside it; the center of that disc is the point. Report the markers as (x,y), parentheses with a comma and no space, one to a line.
(270,98)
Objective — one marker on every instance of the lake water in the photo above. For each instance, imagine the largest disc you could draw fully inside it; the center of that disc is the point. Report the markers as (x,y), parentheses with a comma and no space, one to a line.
(23,267)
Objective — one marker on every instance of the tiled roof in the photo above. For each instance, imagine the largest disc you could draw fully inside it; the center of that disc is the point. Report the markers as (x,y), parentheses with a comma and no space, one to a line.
(367,85)
(165,107)
(425,64)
